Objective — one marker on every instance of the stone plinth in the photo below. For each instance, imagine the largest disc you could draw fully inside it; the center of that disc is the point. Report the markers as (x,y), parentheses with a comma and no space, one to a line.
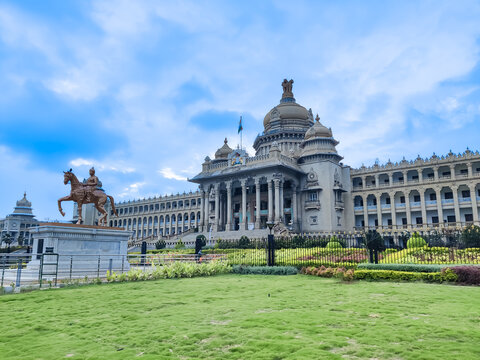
(82,249)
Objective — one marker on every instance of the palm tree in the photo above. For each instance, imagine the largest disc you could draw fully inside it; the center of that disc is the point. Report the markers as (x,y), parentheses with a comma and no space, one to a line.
(7,238)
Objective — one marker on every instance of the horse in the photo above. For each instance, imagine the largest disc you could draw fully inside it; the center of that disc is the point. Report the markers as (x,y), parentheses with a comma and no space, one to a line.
(78,194)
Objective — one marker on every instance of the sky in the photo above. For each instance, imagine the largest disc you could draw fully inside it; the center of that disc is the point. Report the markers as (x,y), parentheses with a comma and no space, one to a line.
(145,90)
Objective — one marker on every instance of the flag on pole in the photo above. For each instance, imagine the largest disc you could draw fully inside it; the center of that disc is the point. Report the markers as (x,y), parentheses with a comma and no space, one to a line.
(240,127)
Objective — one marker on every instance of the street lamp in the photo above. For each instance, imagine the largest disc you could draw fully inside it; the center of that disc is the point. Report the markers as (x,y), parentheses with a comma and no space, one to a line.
(270,226)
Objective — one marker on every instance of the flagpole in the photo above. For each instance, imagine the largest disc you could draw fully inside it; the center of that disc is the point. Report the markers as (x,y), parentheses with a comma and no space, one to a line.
(241,134)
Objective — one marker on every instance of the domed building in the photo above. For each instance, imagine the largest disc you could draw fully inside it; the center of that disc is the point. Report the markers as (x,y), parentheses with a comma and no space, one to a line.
(19,223)
(295,178)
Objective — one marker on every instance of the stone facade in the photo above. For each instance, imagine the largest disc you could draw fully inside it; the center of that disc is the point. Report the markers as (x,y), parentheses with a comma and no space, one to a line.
(296,178)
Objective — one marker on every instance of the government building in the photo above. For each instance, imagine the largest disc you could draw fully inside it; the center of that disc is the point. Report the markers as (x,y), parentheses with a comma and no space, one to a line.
(19,223)
(297,180)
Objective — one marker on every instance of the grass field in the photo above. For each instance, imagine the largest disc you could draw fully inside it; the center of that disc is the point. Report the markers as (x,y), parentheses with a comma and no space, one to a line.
(233,317)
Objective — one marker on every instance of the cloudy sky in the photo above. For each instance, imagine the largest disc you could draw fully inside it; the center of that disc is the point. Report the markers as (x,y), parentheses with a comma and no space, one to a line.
(144,90)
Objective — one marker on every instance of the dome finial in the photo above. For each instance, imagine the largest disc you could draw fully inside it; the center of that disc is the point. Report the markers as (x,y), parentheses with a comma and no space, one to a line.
(225,141)
(317,118)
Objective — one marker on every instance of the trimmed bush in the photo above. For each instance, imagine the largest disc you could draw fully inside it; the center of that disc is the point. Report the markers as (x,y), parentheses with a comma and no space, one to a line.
(332,244)
(468,275)
(416,241)
(179,245)
(160,244)
(265,270)
(374,275)
(425,268)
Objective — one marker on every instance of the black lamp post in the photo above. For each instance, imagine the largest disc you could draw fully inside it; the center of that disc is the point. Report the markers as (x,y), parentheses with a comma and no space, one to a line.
(270,245)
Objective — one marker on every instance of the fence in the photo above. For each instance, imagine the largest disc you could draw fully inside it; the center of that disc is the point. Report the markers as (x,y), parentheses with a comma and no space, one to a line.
(50,268)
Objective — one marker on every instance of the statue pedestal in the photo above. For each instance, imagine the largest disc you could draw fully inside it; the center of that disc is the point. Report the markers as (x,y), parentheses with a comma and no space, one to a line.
(83,250)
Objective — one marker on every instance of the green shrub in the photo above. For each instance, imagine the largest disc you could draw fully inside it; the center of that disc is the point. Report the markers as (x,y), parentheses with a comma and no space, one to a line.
(160,244)
(416,241)
(470,237)
(390,251)
(374,275)
(332,244)
(374,241)
(426,268)
(179,245)
(265,270)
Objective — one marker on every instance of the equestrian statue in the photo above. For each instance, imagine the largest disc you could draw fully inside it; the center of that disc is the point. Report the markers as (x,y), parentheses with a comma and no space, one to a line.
(87,192)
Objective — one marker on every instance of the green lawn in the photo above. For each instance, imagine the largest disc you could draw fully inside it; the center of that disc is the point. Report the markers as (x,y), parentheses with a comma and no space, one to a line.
(233,317)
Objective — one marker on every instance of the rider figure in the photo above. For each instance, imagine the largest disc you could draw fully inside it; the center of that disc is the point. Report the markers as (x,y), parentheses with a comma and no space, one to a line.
(91,184)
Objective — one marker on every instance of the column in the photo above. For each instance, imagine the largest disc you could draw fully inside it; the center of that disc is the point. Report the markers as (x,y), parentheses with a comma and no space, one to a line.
(473,196)
(393,211)
(438,192)
(379,211)
(229,206)
(257,203)
(405,177)
(217,206)
(206,204)
(294,205)
(364,182)
(420,175)
(407,208)
(244,205)
(435,172)
(390,179)
(455,204)
(270,200)
(282,212)
(423,207)
(365,211)
(470,169)
(452,172)
(377,183)
(277,200)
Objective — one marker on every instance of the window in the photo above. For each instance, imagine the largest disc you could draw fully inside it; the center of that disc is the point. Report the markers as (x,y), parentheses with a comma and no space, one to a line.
(402,199)
(376,222)
(414,177)
(433,196)
(464,171)
(465,193)
(387,201)
(400,178)
(451,218)
(446,173)
(435,219)
(419,220)
(449,195)
(431,175)
(389,222)
(404,221)
(416,198)
(313,196)
(468,217)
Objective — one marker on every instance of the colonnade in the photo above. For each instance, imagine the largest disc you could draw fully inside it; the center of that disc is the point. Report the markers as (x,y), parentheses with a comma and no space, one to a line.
(218,200)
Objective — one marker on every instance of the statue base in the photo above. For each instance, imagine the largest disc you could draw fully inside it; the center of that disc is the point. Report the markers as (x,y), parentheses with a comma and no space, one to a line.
(83,250)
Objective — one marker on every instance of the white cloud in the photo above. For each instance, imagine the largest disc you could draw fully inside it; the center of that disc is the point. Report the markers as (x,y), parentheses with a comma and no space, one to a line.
(79,162)
(168,173)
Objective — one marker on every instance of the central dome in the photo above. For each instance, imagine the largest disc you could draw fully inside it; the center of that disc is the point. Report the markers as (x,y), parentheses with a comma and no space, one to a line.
(288,114)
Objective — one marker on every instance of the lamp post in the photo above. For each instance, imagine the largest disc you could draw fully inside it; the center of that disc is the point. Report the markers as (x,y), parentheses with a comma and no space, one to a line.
(270,245)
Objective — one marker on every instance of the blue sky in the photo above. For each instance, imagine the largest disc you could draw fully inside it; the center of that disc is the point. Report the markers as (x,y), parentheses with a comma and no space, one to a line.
(144,90)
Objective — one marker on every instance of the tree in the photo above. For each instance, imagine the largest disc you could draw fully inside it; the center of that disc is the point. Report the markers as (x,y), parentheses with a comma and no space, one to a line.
(374,241)
(7,238)
(160,244)
(470,237)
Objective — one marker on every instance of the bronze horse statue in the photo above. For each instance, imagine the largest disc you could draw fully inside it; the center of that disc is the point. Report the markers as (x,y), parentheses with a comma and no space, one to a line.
(85,194)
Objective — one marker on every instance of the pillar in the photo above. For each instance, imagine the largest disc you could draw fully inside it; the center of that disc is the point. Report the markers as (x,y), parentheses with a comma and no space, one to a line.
(244,205)
(390,179)
(379,211)
(473,196)
(294,205)
(470,169)
(270,201)
(281,198)
(423,207)
(217,207)
(206,204)
(407,208)
(365,211)
(377,183)
(364,182)
(277,200)
(455,204)
(435,172)
(438,192)
(229,205)
(393,211)
(452,172)
(405,177)
(420,175)
(257,203)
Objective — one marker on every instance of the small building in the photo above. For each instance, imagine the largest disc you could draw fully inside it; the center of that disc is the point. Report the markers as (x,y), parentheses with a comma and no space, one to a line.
(19,223)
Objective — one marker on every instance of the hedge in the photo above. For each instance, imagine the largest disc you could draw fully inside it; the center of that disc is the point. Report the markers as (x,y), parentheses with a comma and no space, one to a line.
(424,268)
(438,277)
(265,270)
